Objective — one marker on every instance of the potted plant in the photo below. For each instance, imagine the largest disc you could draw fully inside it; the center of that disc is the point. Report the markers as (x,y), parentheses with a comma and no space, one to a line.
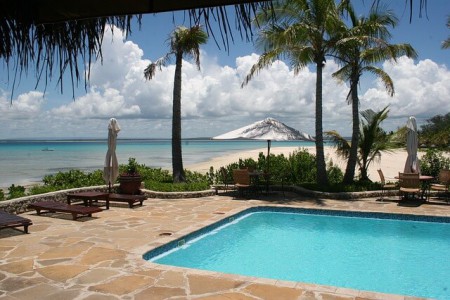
(130,180)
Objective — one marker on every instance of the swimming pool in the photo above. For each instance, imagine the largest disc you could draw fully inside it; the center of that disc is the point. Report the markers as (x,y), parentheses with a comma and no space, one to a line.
(398,254)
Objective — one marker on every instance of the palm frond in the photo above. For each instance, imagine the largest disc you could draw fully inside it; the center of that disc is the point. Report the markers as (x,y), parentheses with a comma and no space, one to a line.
(264,61)
(342,145)
(385,78)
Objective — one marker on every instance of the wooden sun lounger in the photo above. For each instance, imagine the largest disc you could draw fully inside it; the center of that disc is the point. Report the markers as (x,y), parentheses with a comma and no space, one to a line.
(8,220)
(75,210)
(130,199)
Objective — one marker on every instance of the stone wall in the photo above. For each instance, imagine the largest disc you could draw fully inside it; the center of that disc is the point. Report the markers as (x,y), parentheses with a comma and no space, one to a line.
(20,205)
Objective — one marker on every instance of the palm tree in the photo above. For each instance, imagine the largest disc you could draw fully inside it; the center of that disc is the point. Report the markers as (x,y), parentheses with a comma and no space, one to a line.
(446,43)
(300,31)
(362,45)
(183,41)
(372,140)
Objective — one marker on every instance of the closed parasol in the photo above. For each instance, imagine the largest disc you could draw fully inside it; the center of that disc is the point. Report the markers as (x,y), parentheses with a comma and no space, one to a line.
(111,167)
(412,164)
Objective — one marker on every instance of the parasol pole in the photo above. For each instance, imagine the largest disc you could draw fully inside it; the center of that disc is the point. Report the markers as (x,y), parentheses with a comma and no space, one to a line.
(267,175)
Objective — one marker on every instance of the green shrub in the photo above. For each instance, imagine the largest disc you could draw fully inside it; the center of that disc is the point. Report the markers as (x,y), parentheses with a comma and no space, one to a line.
(432,162)
(41,189)
(176,187)
(302,165)
(161,181)
(335,175)
(2,195)
(73,179)
(16,191)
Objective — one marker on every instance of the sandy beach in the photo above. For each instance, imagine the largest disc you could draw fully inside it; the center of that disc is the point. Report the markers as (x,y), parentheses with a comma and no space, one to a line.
(391,162)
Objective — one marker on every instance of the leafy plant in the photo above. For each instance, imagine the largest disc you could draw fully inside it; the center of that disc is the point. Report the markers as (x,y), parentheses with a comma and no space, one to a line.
(73,179)
(131,169)
(16,191)
(432,162)
(2,195)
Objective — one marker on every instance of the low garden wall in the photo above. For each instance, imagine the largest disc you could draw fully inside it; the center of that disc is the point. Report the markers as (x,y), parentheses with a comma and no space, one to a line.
(20,205)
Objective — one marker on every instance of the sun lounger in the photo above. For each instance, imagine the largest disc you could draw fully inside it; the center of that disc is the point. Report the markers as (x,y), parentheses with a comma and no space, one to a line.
(75,210)
(8,220)
(130,199)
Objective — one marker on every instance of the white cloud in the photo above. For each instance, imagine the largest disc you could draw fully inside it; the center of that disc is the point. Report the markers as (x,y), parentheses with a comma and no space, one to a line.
(422,89)
(27,105)
(214,102)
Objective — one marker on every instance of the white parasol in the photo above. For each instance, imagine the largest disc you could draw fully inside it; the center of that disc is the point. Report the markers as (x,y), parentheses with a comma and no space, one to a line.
(111,167)
(268,129)
(412,143)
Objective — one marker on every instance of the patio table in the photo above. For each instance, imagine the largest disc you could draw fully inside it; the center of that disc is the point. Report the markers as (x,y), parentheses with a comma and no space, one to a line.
(425,185)
(87,198)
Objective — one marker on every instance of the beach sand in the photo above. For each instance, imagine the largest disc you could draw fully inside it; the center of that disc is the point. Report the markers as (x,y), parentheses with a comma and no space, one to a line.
(391,162)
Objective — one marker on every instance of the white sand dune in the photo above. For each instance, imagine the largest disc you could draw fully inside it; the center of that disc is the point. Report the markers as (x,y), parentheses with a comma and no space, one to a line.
(391,162)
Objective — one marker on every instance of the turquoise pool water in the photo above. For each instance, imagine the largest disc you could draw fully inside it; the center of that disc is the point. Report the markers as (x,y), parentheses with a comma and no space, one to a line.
(366,252)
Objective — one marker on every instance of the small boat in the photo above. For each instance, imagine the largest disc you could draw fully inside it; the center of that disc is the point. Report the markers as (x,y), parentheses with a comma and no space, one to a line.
(48,149)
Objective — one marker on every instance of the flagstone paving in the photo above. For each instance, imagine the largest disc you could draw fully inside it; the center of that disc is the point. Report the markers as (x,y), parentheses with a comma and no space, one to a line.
(101,257)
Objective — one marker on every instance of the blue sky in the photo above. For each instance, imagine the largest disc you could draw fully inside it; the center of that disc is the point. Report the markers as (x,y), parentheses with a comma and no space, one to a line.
(212,100)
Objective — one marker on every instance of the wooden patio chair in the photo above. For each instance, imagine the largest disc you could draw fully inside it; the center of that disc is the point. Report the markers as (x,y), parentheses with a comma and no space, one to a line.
(409,184)
(241,180)
(442,186)
(385,187)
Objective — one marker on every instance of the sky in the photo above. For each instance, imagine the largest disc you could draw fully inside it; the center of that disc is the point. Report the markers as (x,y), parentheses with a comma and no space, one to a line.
(213,101)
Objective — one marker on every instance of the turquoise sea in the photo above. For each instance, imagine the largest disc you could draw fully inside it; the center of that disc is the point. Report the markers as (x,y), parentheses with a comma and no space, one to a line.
(26,161)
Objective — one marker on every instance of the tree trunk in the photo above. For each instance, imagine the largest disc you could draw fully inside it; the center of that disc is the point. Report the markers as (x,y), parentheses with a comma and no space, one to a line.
(322,178)
(353,155)
(177,159)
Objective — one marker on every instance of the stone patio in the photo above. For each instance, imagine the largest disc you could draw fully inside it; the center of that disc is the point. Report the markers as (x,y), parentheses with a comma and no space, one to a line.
(101,257)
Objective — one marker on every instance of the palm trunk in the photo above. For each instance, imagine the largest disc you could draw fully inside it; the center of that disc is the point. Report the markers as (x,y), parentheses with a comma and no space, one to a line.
(177,159)
(353,155)
(322,178)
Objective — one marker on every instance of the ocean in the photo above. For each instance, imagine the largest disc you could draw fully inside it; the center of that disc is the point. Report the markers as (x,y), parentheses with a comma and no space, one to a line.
(23,162)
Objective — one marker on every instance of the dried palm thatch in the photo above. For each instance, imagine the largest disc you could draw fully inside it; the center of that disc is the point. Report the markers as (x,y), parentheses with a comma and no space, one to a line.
(55,37)
(59,36)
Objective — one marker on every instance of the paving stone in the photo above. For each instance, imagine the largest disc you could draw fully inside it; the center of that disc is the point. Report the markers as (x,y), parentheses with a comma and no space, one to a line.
(160,293)
(269,292)
(18,267)
(122,285)
(228,296)
(171,278)
(96,276)
(62,273)
(65,252)
(64,294)
(204,284)
(98,254)
(101,297)
(49,262)
(13,284)
(41,291)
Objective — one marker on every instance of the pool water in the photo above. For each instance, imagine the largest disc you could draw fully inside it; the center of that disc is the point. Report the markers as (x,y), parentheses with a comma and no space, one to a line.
(385,255)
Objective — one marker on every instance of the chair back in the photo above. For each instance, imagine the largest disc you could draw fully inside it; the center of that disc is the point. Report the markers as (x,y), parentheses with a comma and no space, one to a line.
(241,176)
(383,180)
(409,180)
(444,177)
